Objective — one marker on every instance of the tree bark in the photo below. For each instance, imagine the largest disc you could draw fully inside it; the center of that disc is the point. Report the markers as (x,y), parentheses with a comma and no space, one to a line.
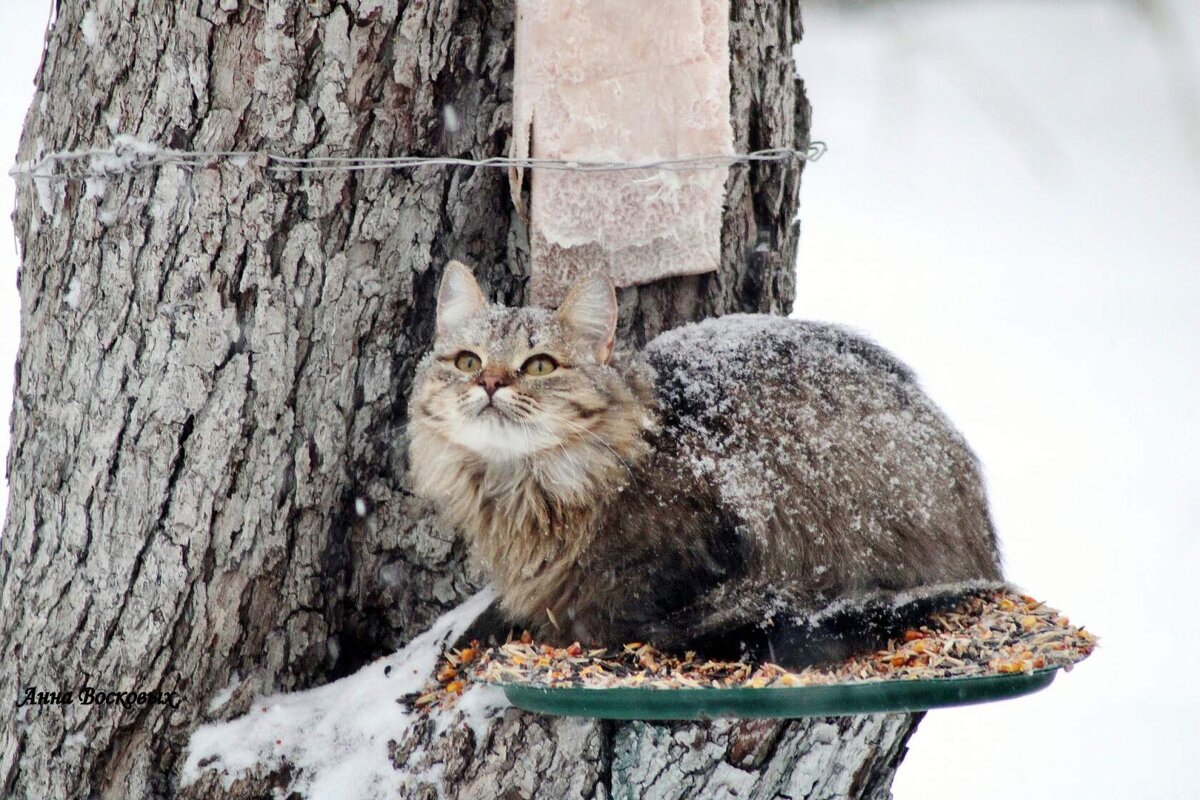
(207,479)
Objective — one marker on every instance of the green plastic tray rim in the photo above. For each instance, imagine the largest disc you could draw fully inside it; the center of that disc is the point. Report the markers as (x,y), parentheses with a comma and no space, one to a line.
(867,697)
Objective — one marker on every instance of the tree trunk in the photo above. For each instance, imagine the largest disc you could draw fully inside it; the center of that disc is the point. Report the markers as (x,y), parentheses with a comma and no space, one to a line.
(206,472)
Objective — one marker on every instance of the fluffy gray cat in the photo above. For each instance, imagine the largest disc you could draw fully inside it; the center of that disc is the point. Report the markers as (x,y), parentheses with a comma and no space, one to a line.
(746,486)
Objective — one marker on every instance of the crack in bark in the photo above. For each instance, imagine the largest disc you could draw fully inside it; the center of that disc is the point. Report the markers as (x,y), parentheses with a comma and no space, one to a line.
(163,510)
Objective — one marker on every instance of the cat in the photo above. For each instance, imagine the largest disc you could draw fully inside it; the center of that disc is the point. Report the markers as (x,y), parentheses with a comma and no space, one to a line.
(748,486)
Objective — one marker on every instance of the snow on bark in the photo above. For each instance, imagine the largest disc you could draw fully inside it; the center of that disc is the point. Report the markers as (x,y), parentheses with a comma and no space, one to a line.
(622,81)
(333,741)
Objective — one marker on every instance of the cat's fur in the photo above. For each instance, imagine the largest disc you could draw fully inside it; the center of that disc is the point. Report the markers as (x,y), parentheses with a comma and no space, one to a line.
(746,483)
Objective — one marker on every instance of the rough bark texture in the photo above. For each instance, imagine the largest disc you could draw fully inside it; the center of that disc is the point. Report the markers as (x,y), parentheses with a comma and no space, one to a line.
(212,378)
(543,758)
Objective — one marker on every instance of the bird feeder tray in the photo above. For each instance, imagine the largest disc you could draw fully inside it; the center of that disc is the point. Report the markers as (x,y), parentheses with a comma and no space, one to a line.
(993,645)
(865,697)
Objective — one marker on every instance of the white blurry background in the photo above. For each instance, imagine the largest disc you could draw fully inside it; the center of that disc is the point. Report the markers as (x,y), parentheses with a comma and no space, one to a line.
(1011,204)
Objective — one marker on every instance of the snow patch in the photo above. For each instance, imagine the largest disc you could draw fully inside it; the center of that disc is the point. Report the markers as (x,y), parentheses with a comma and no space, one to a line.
(74,293)
(87,26)
(222,697)
(94,188)
(479,705)
(336,736)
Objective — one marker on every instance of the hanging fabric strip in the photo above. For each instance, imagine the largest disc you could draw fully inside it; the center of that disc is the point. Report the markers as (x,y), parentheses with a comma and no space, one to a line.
(621,80)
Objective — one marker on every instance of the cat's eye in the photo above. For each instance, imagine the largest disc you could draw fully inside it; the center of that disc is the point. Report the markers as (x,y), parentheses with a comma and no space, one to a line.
(467,361)
(539,365)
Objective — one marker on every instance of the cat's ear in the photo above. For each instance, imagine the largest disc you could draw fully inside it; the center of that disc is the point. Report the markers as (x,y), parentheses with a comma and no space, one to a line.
(459,297)
(590,310)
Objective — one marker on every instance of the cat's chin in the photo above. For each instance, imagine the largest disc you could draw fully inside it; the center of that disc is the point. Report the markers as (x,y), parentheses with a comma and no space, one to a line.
(494,437)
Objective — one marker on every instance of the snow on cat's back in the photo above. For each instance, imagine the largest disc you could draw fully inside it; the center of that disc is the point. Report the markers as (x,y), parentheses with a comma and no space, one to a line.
(843,473)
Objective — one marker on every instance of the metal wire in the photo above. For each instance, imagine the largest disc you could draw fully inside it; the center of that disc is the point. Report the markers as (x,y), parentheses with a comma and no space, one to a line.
(128,157)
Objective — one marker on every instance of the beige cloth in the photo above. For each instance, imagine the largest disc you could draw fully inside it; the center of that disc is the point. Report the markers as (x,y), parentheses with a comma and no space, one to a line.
(621,80)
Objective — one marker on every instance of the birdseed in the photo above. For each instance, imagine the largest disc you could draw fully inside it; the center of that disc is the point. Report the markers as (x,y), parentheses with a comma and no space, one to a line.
(992,633)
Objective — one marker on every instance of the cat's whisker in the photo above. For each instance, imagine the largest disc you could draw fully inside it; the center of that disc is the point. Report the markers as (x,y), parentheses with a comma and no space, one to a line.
(527,407)
(565,421)
(561,446)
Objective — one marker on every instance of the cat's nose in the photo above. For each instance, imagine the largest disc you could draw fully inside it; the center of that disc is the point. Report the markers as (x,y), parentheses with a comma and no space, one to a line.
(491,381)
